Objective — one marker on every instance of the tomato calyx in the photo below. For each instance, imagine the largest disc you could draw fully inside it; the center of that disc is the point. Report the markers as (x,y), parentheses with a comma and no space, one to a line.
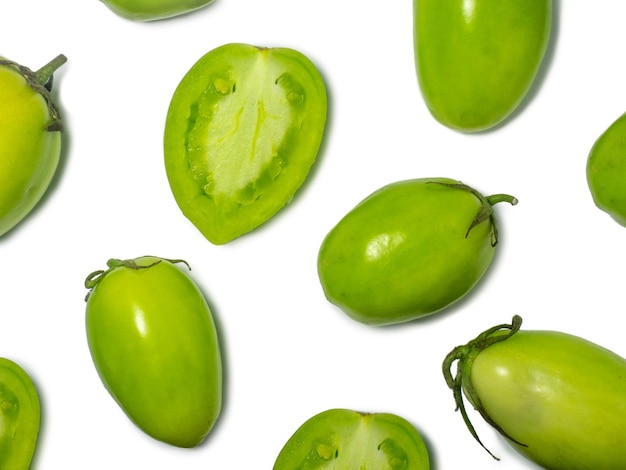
(486,210)
(95,277)
(461,383)
(40,81)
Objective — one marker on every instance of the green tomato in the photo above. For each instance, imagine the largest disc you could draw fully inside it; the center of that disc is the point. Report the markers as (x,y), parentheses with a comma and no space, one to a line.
(30,138)
(150,10)
(339,439)
(19,417)
(606,171)
(558,399)
(477,59)
(408,250)
(243,129)
(154,344)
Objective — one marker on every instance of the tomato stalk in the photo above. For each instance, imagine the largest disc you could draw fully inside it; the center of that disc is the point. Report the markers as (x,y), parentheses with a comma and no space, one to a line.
(95,277)
(486,210)
(461,382)
(41,82)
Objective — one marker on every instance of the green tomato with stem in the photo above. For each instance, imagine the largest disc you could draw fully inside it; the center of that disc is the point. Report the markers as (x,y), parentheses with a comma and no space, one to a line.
(558,399)
(30,138)
(477,59)
(155,346)
(339,439)
(20,416)
(410,249)
(243,129)
(151,10)
(606,171)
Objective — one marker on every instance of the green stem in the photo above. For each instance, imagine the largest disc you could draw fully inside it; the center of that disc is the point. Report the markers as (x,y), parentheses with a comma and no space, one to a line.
(44,74)
(95,277)
(496,198)
(461,383)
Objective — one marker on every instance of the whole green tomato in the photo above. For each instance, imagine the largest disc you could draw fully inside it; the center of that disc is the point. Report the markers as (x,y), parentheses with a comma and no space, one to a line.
(151,10)
(606,171)
(30,138)
(20,416)
(345,439)
(557,399)
(477,59)
(243,129)
(408,250)
(155,346)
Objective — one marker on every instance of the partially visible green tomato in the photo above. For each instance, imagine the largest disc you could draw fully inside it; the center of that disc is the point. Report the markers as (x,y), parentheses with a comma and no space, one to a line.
(341,439)
(243,129)
(477,59)
(151,10)
(558,399)
(155,346)
(410,249)
(606,171)
(30,138)
(19,417)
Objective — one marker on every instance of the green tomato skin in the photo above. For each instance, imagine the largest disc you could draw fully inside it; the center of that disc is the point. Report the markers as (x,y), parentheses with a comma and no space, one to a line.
(243,129)
(29,153)
(402,253)
(154,344)
(340,439)
(151,10)
(477,59)
(561,396)
(20,417)
(606,171)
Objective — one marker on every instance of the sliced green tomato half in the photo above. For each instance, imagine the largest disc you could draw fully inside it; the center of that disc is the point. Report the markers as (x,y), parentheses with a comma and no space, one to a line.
(341,439)
(243,129)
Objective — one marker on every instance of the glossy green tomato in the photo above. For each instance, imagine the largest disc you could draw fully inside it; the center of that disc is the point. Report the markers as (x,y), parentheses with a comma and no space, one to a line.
(606,171)
(477,59)
(150,10)
(30,138)
(341,439)
(243,129)
(154,344)
(19,417)
(408,250)
(558,399)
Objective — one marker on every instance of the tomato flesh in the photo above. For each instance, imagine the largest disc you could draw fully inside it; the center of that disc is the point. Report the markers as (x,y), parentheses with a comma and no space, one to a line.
(338,439)
(151,10)
(154,344)
(30,140)
(606,170)
(19,416)
(243,129)
(557,398)
(477,59)
(407,251)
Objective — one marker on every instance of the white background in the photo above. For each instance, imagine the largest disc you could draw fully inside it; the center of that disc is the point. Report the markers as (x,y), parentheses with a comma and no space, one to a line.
(288,353)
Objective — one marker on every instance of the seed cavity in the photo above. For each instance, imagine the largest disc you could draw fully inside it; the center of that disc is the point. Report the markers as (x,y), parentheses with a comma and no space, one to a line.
(224,86)
(396,456)
(9,403)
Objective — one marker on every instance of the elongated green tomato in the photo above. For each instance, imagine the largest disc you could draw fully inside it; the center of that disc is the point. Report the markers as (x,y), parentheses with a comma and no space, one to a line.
(151,10)
(606,171)
(19,417)
(410,249)
(243,129)
(30,138)
(154,344)
(340,439)
(477,59)
(557,399)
